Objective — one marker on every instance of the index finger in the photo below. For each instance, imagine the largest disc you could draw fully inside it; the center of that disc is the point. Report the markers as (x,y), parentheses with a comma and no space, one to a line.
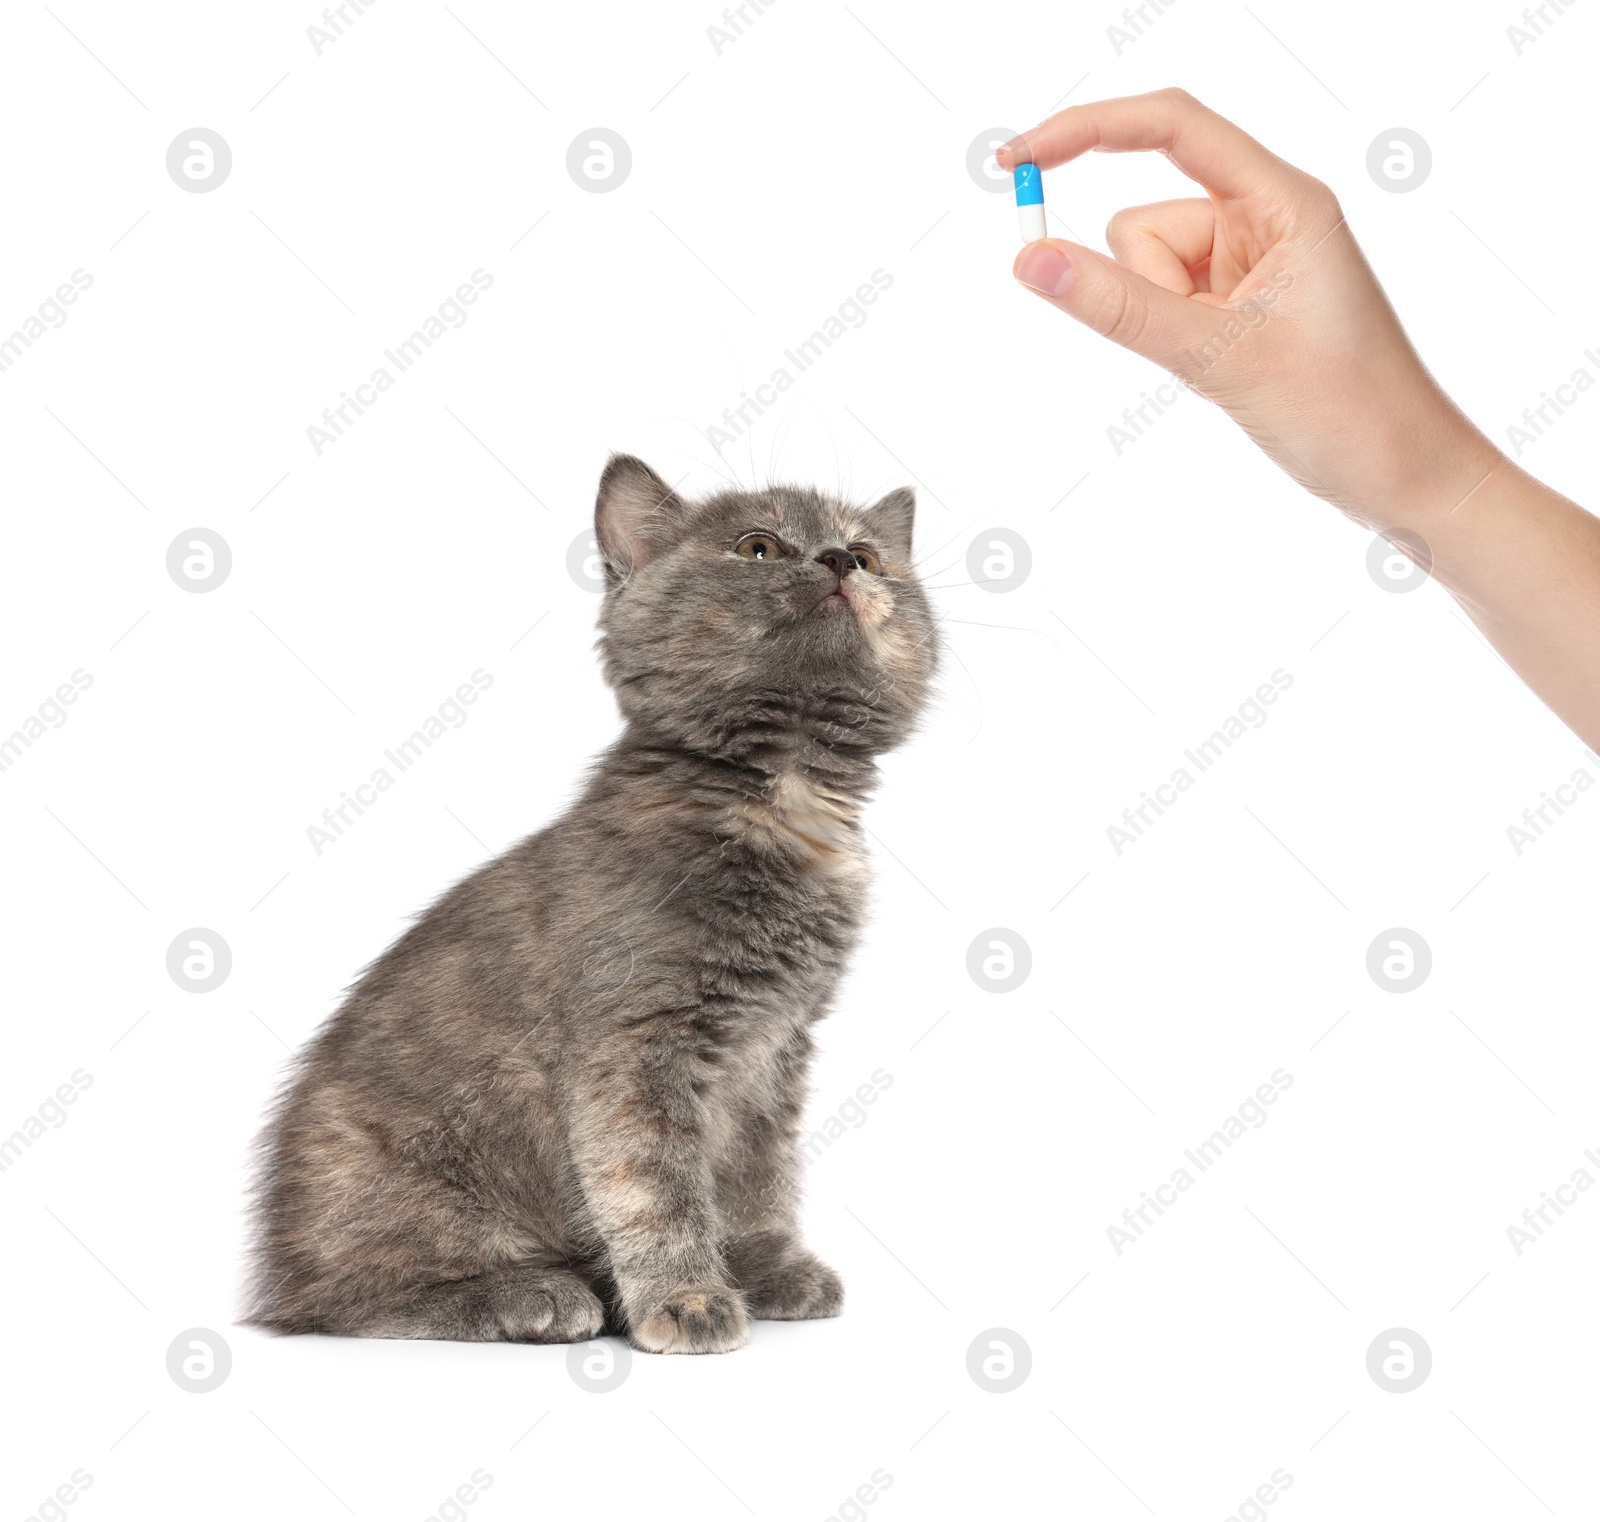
(1208,148)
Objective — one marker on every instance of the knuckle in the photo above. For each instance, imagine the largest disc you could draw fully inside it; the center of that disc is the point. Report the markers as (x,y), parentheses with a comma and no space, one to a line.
(1320,199)
(1121,226)
(1128,226)
(1125,316)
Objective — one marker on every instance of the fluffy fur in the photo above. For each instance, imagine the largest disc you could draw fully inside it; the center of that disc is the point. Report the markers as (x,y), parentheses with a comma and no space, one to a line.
(568,1098)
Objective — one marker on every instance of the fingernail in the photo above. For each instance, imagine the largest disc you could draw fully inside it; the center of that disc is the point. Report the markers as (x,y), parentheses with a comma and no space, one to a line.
(1044,268)
(1018,147)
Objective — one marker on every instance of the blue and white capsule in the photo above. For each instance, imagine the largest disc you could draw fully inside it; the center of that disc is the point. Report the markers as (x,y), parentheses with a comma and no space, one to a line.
(1029,185)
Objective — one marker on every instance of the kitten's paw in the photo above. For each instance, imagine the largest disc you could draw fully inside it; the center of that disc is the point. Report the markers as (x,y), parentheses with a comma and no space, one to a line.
(802,1288)
(561,1309)
(694,1318)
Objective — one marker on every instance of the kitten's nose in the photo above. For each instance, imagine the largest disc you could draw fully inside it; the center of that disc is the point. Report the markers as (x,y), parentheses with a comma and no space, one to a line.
(840,562)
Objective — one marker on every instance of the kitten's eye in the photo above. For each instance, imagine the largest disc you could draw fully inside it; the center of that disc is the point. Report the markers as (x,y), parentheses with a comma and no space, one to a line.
(866,559)
(759,546)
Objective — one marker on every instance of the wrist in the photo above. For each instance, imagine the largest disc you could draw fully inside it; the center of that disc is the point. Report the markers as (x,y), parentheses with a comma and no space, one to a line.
(1426,465)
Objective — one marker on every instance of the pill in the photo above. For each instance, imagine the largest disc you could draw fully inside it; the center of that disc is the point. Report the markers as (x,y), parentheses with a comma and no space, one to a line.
(1030,201)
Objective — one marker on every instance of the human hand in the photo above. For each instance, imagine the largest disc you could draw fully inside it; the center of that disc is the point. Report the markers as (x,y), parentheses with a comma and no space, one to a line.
(1258,297)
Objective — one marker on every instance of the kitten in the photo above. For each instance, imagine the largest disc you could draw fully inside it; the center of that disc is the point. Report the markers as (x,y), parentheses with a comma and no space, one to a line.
(568,1098)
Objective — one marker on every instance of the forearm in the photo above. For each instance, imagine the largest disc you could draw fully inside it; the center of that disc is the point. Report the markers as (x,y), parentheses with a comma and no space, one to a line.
(1524,563)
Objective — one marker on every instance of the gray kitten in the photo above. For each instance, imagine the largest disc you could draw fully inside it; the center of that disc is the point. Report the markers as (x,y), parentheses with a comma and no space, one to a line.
(568,1098)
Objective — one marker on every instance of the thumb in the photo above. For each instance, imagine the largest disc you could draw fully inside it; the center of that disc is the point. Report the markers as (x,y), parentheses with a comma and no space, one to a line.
(1116,302)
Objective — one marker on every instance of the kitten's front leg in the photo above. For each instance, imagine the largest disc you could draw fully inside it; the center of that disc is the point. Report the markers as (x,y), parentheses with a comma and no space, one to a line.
(759,1196)
(640,1148)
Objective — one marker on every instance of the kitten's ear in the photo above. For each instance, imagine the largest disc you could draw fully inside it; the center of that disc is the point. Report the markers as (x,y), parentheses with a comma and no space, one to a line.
(636,515)
(891,519)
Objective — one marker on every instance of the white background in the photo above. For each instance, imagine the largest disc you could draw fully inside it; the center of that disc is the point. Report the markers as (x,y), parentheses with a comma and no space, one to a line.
(769,181)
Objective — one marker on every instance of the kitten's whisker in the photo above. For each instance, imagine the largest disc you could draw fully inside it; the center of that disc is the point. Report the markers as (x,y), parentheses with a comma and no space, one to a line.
(943,570)
(928,555)
(973,623)
(717,465)
(721,468)
(838,468)
(750,444)
(977,692)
